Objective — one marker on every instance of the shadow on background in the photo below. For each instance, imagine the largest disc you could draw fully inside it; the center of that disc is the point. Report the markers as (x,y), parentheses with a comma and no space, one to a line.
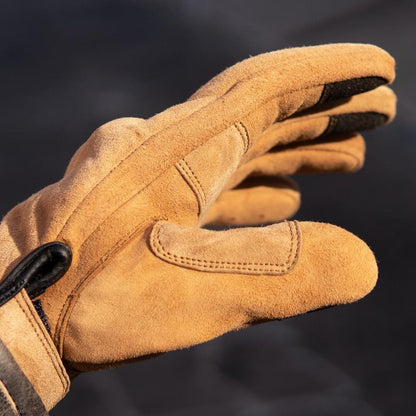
(67,67)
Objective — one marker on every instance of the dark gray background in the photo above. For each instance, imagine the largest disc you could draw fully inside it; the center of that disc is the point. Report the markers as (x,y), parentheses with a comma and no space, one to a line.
(69,66)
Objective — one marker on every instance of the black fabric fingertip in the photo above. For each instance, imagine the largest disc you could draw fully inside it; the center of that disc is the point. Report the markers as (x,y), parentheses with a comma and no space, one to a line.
(349,87)
(348,123)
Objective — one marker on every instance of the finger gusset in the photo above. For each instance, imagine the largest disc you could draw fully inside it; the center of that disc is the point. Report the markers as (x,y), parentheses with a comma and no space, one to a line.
(258,200)
(185,286)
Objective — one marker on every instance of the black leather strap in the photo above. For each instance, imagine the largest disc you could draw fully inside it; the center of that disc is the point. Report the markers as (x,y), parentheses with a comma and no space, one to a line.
(17,395)
(37,271)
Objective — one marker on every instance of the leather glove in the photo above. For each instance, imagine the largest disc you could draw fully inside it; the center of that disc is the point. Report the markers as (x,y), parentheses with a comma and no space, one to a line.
(321,140)
(144,278)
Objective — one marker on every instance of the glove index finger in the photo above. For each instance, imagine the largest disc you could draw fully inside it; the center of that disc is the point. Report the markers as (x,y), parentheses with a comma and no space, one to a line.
(342,69)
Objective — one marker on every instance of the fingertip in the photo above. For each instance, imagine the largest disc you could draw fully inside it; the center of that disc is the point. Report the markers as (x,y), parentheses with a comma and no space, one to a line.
(344,268)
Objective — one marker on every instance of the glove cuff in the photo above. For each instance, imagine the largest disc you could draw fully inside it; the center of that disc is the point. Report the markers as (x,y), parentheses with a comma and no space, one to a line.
(27,339)
(17,395)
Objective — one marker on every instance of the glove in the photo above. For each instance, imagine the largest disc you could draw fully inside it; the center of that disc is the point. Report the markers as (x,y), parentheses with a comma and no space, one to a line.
(113,254)
(321,140)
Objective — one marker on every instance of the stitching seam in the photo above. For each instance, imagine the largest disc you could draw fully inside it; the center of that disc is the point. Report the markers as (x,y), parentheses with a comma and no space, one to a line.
(243,132)
(190,177)
(165,254)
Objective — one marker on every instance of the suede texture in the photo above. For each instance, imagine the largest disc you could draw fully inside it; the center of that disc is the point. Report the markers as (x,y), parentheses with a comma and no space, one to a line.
(145,278)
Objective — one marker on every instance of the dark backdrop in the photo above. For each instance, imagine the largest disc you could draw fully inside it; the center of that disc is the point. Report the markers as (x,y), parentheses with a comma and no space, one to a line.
(69,66)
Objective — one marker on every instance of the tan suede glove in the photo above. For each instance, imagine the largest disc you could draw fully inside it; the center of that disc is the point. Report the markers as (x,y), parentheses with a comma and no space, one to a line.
(144,278)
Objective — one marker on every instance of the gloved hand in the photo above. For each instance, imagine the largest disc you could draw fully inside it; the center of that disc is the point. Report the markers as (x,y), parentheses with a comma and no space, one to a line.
(144,278)
(321,140)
